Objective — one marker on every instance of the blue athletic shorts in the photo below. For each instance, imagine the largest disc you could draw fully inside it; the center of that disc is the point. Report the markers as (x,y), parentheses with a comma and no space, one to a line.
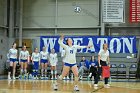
(22,60)
(13,60)
(44,61)
(36,65)
(69,65)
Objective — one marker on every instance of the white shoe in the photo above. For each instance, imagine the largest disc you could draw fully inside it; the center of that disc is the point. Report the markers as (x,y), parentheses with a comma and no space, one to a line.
(37,78)
(76,88)
(68,78)
(52,78)
(81,77)
(89,75)
(9,78)
(106,86)
(64,78)
(55,87)
(55,78)
(14,78)
(95,85)
(34,78)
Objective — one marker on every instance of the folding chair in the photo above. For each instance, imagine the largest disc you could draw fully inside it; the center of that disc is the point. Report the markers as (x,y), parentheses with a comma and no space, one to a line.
(121,73)
(132,71)
(113,70)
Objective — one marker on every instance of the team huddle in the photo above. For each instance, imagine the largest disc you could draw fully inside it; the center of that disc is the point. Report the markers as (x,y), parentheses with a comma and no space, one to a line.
(44,58)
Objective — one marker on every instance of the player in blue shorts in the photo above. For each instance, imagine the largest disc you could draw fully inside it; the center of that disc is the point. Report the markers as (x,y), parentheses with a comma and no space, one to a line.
(36,63)
(12,55)
(24,60)
(70,60)
(44,62)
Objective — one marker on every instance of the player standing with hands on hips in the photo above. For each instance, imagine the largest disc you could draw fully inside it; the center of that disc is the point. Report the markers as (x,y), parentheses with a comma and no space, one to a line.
(70,60)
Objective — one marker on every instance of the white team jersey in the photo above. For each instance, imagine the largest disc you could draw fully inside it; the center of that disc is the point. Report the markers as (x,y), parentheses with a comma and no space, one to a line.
(63,55)
(24,55)
(103,54)
(35,56)
(13,53)
(70,56)
(43,55)
(53,58)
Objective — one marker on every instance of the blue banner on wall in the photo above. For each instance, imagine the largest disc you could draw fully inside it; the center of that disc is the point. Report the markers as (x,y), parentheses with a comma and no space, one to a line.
(126,44)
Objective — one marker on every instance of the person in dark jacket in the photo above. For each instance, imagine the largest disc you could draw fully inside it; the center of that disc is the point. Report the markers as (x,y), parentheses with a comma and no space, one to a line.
(93,67)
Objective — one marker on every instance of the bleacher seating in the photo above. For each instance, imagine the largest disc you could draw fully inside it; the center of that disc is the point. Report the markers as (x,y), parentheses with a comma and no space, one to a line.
(115,58)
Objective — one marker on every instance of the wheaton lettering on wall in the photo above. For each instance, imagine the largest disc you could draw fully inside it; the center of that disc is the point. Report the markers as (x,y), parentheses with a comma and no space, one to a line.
(113,11)
(126,44)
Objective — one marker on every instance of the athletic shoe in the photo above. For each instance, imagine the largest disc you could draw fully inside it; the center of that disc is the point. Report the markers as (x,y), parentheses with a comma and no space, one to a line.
(46,78)
(76,88)
(25,77)
(52,78)
(89,75)
(14,78)
(20,76)
(30,76)
(106,86)
(37,78)
(55,78)
(81,77)
(68,78)
(9,78)
(95,85)
(55,87)
(41,77)
(64,78)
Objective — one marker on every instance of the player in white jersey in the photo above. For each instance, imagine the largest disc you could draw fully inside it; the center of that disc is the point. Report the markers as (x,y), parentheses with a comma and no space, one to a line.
(63,55)
(70,60)
(12,55)
(44,61)
(36,62)
(53,62)
(24,59)
(103,60)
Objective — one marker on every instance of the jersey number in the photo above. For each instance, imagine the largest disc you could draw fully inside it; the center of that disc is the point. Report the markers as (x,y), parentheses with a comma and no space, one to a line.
(71,51)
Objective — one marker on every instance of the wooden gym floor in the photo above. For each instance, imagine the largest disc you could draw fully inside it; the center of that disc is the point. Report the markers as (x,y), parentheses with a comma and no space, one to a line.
(45,86)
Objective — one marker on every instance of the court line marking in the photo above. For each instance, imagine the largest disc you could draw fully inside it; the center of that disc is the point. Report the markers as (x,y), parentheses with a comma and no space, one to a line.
(125,87)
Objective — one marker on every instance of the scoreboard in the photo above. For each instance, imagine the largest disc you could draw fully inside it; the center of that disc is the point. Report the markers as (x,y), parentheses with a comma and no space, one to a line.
(134,11)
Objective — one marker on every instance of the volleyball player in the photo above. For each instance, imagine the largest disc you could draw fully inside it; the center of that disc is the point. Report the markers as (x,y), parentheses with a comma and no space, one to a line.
(53,62)
(63,55)
(36,62)
(44,62)
(103,58)
(70,60)
(13,60)
(24,59)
